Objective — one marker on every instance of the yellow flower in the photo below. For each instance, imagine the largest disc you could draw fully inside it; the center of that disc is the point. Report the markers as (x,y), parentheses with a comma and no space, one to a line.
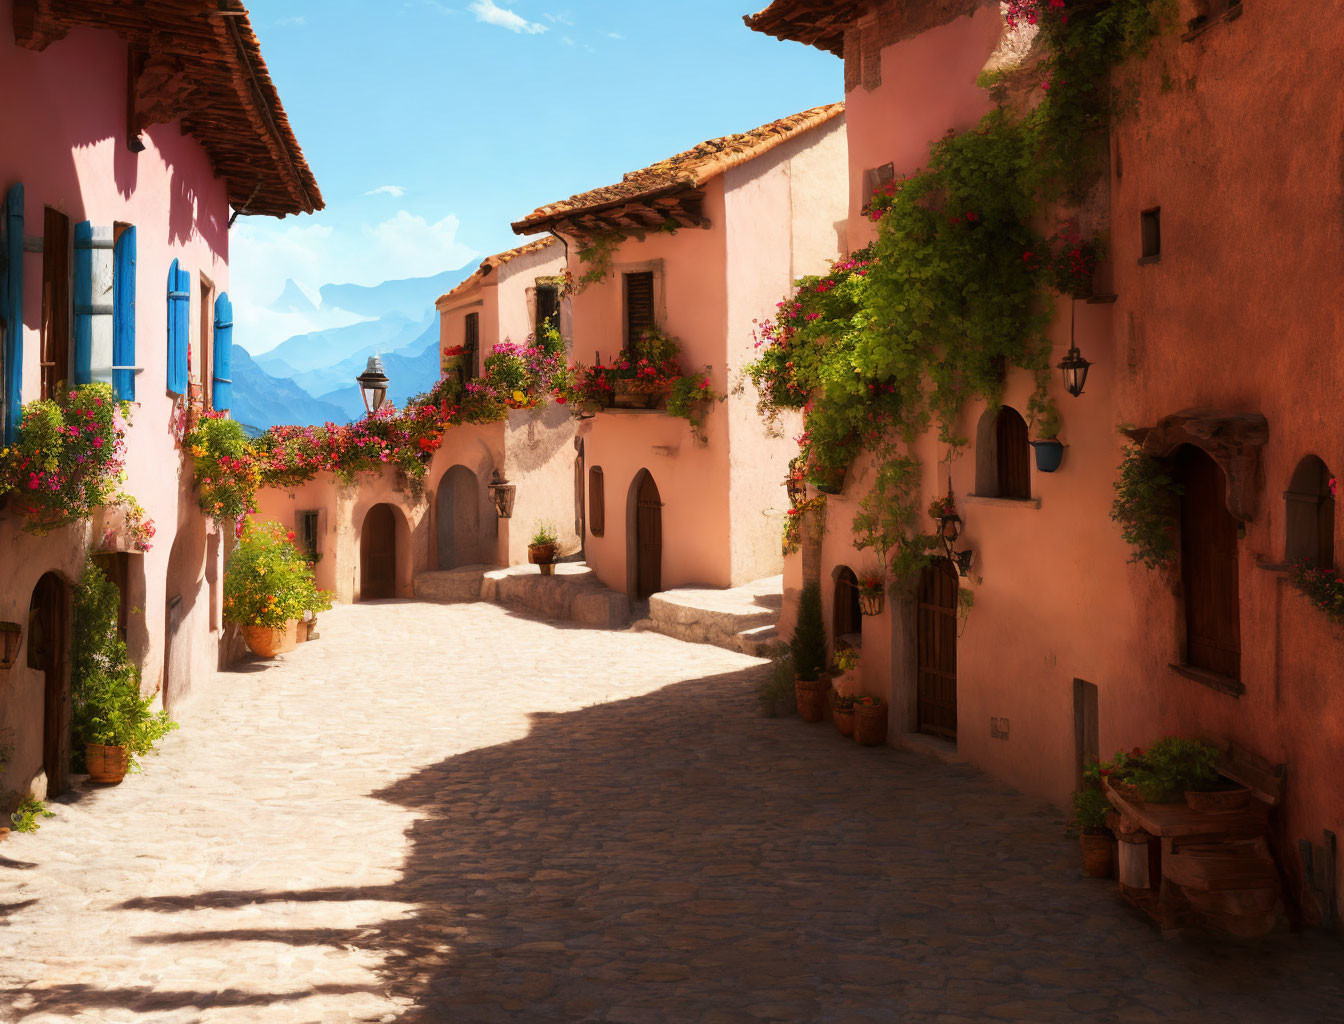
(519,397)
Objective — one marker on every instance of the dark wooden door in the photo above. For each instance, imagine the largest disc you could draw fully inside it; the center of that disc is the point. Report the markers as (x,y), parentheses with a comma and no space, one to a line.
(1209,567)
(936,649)
(648,539)
(47,646)
(1014,455)
(378,554)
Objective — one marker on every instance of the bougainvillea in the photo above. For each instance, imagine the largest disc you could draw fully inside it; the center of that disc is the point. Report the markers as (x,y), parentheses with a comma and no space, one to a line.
(226,467)
(68,458)
(1323,586)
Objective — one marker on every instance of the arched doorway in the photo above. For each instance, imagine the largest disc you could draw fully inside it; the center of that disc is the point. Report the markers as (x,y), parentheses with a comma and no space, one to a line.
(936,649)
(1209,572)
(646,537)
(48,653)
(846,616)
(458,518)
(378,554)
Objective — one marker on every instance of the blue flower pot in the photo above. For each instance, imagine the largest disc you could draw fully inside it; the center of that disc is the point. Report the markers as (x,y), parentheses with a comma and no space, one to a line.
(1049,454)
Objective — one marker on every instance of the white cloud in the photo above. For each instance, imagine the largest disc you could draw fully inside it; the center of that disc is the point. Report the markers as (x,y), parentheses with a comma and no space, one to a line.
(264,253)
(297,20)
(395,191)
(613,35)
(488,12)
(563,18)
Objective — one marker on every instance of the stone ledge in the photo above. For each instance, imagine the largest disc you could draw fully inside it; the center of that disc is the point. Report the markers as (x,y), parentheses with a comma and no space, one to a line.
(574,593)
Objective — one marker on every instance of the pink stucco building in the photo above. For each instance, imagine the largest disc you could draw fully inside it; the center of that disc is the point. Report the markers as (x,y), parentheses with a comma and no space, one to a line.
(1212,344)
(139,186)
(703,243)
(375,535)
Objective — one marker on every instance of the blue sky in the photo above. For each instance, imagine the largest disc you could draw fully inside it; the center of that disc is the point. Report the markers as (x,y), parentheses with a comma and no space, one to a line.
(431,124)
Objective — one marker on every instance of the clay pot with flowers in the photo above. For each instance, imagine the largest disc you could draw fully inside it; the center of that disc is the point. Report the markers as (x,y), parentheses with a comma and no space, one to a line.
(870,721)
(541,549)
(1090,810)
(268,586)
(842,714)
(1049,449)
(846,678)
(872,593)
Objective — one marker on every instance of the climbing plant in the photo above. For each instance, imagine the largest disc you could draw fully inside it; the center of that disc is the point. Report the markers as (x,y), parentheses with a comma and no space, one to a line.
(960,283)
(1146,502)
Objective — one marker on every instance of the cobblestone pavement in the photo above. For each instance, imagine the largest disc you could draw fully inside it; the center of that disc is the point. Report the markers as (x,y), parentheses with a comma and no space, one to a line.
(454,813)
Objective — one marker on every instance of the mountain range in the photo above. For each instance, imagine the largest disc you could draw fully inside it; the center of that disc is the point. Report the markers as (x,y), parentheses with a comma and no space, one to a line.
(310,377)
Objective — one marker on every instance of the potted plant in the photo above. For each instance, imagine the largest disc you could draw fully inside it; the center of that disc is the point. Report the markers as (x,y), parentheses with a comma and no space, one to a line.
(872,592)
(870,721)
(268,586)
(1171,766)
(842,714)
(846,663)
(1047,446)
(541,549)
(808,648)
(110,719)
(1090,808)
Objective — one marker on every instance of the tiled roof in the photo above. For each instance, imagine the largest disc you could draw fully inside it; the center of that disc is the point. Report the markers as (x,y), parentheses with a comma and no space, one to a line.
(819,23)
(683,172)
(491,263)
(199,61)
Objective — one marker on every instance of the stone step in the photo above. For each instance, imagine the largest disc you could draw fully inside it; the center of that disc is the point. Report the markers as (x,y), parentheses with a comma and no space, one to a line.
(718,616)
(761,642)
(452,586)
(573,593)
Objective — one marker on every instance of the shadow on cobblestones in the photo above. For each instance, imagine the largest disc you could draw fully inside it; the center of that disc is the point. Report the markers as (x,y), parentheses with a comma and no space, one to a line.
(674,857)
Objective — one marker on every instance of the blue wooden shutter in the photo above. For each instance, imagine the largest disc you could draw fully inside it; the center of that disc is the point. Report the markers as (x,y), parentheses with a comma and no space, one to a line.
(123,315)
(179,305)
(81,372)
(223,363)
(11,306)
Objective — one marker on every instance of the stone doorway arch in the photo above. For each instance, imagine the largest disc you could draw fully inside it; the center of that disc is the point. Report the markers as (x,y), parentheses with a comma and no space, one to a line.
(378,554)
(458,518)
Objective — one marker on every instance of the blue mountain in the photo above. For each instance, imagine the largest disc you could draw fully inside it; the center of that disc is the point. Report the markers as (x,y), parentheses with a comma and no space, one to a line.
(261,401)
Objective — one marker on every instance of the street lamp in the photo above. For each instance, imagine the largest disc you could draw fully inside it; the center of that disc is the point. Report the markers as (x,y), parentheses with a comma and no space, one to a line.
(373,385)
(1073,365)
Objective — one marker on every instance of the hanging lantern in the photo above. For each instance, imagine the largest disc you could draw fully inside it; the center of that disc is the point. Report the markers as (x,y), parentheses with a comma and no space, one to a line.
(373,385)
(1074,367)
(10,635)
(949,528)
(502,493)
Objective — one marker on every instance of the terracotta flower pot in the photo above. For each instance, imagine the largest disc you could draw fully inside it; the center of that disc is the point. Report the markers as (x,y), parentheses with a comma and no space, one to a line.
(870,724)
(1098,854)
(811,696)
(107,765)
(843,719)
(541,554)
(268,641)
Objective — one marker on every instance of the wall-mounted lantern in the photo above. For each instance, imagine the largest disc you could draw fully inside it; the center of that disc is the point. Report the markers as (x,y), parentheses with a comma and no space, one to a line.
(962,560)
(1073,365)
(795,484)
(373,385)
(10,635)
(502,493)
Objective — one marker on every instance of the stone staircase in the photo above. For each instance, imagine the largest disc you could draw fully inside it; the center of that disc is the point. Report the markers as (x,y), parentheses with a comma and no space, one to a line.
(738,618)
(574,593)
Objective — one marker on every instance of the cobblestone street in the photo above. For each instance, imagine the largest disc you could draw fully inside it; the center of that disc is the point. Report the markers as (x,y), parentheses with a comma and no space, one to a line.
(454,813)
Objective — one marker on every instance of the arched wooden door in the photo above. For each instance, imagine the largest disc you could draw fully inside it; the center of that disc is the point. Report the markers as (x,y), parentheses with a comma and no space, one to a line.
(458,517)
(48,650)
(936,649)
(648,539)
(378,554)
(1209,567)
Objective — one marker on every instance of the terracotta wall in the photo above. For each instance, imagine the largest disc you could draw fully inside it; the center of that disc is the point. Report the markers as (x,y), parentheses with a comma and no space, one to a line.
(68,105)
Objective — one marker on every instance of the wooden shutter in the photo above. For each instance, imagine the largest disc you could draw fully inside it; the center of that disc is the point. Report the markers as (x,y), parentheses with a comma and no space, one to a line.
(548,307)
(11,305)
(1013,455)
(123,315)
(638,305)
(597,502)
(472,344)
(55,301)
(179,305)
(93,303)
(223,349)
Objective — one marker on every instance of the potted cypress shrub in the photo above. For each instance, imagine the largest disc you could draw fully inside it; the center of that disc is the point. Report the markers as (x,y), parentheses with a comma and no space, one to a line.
(808,648)
(110,719)
(268,586)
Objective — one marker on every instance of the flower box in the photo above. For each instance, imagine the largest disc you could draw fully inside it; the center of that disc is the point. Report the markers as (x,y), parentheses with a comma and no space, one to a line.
(631,394)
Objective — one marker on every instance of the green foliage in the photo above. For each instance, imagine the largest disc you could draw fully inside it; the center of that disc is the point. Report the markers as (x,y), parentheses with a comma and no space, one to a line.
(1171,766)
(544,533)
(689,399)
(776,694)
(268,581)
(106,705)
(25,818)
(1147,500)
(595,252)
(1090,808)
(227,474)
(1323,587)
(808,648)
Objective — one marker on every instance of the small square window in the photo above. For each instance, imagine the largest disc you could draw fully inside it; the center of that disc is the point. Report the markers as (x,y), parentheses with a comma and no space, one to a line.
(1151,229)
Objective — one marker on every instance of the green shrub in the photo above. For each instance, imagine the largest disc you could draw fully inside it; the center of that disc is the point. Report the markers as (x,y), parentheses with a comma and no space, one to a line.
(1090,807)
(106,705)
(1171,766)
(808,648)
(25,818)
(268,581)
(776,694)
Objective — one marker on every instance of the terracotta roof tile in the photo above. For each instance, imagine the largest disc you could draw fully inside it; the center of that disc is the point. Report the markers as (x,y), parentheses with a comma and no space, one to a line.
(819,23)
(683,172)
(491,263)
(201,63)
